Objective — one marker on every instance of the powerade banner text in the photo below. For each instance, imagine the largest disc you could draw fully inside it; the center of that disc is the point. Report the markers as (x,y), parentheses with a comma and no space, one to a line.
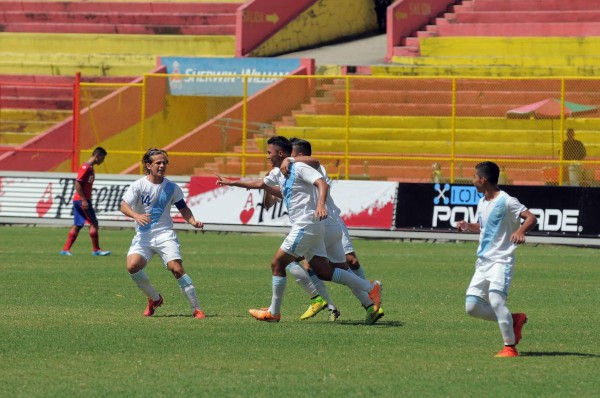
(213,76)
(561,211)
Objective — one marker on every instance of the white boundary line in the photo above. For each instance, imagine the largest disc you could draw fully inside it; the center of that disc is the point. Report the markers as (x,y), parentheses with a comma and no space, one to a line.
(358,233)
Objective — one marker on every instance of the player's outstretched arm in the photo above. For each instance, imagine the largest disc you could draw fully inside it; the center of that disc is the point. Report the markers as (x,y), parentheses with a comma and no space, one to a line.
(248,184)
(141,219)
(464,226)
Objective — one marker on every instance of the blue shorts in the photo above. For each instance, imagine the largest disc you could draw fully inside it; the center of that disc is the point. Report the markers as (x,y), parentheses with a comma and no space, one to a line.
(81,216)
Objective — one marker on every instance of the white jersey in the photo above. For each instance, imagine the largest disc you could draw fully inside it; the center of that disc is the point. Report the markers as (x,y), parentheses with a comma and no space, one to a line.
(145,197)
(498,220)
(297,191)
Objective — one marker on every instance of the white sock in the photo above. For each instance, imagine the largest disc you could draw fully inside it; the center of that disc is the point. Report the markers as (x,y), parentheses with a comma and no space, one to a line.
(359,272)
(347,278)
(302,278)
(279,283)
(322,290)
(505,322)
(143,282)
(187,287)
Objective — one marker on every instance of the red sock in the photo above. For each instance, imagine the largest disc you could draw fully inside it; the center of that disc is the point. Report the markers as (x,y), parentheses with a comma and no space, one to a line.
(71,238)
(94,236)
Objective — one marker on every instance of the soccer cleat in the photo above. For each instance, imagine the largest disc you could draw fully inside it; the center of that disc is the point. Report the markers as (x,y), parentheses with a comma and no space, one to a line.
(264,315)
(100,253)
(65,253)
(375,294)
(334,314)
(316,305)
(508,351)
(373,315)
(519,320)
(153,305)
(199,314)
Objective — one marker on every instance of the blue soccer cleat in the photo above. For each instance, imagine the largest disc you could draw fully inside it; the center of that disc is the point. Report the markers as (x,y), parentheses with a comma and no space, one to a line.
(101,253)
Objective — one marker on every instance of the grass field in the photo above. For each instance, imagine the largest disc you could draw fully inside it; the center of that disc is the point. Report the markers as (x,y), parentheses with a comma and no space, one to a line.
(73,326)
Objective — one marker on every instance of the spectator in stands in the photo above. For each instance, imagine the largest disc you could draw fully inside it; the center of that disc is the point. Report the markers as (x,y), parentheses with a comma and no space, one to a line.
(573,151)
(381,10)
(83,210)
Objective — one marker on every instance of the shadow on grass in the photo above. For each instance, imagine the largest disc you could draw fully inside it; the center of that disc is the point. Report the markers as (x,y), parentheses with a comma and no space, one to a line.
(381,323)
(181,316)
(557,354)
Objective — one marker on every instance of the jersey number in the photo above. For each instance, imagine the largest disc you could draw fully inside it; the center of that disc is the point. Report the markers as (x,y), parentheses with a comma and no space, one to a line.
(146,199)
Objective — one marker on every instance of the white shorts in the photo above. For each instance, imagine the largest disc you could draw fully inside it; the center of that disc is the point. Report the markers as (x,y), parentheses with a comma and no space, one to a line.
(346,241)
(333,243)
(490,276)
(165,244)
(305,241)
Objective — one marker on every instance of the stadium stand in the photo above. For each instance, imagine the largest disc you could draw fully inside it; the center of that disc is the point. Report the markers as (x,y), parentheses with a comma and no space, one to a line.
(45,43)
(508,37)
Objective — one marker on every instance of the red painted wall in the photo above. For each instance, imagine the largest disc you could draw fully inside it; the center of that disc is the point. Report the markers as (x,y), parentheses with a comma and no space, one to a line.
(258,20)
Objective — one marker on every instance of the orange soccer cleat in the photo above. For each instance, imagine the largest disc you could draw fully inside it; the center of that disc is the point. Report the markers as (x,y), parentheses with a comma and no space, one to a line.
(508,351)
(153,305)
(263,314)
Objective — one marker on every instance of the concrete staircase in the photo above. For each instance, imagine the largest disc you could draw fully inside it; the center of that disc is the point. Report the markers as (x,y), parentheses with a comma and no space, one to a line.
(508,37)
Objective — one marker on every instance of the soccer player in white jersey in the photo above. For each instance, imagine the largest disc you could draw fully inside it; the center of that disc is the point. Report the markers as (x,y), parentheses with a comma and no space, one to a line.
(306,210)
(500,231)
(301,152)
(148,201)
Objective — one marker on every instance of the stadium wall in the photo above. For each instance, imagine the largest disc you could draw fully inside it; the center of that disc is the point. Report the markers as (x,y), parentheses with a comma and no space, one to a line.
(371,209)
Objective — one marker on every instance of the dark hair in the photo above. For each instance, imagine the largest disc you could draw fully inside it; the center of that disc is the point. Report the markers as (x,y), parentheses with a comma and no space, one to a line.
(303,146)
(148,156)
(99,151)
(283,143)
(489,170)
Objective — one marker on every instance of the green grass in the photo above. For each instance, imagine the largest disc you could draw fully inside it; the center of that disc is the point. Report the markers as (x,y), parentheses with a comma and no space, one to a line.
(73,326)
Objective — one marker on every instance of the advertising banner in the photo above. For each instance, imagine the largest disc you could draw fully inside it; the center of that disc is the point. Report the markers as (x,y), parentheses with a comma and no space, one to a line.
(50,195)
(561,211)
(363,204)
(213,76)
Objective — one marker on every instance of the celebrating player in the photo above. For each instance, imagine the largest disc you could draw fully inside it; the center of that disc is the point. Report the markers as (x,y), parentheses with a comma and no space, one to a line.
(148,201)
(500,231)
(306,210)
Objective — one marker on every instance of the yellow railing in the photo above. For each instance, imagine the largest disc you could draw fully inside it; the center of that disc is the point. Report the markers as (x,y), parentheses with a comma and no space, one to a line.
(416,129)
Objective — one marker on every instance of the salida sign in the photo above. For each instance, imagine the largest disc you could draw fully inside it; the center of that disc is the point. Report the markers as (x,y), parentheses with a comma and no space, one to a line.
(560,210)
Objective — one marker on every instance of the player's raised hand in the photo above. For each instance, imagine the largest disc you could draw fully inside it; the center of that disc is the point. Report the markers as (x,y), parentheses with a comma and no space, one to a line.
(285,167)
(222,181)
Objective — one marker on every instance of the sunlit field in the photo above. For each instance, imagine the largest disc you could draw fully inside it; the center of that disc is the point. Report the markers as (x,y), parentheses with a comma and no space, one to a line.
(73,326)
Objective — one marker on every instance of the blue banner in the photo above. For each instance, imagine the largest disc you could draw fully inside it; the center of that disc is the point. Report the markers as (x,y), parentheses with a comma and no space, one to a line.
(213,76)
